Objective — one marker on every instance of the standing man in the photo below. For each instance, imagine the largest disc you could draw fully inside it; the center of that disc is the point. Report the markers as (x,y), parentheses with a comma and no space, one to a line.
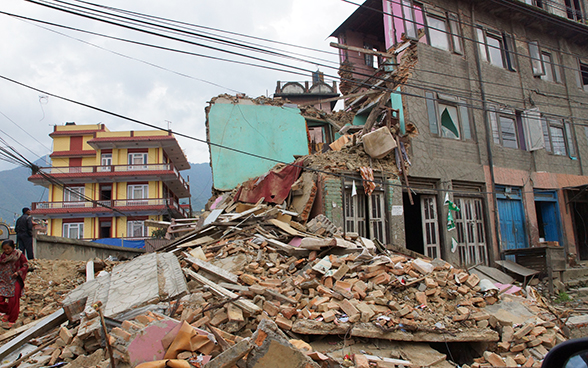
(24,232)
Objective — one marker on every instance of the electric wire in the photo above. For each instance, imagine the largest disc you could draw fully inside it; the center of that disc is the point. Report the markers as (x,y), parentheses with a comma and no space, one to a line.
(324,172)
(471,98)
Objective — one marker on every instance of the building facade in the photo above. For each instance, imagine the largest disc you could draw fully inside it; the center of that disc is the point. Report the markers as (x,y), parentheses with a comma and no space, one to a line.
(105,184)
(498,91)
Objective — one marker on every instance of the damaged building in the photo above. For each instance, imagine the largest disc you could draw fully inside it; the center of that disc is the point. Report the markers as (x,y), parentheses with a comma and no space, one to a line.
(495,89)
(484,104)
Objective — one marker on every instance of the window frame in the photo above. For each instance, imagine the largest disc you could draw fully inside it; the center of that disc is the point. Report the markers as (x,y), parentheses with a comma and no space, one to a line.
(549,124)
(409,23)
(71,199)
(452,31)
(582,75)
(131,226)
(68,226)
(506,47)
(549,71)
(133,165)
(434,99)
(495,114)
(574,10)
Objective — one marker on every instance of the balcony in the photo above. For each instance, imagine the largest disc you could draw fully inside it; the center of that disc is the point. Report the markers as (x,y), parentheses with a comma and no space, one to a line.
(167,173)
(130,207)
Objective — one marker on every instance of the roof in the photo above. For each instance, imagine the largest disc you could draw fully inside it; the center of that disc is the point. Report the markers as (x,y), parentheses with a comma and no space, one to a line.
(148,138)
(368,19)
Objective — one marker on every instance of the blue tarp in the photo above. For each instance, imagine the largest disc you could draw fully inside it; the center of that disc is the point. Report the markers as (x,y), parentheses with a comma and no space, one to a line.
(137,244)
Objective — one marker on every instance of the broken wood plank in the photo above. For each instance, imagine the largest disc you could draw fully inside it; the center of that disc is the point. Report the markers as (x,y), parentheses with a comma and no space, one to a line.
(285,248)
(285,227)
(43,326)
(362,50)
(18,330)
(208,267)
(369,330)
(244,304)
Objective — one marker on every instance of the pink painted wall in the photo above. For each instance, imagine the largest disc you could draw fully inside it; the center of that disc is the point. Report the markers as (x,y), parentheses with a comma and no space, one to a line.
(393,21)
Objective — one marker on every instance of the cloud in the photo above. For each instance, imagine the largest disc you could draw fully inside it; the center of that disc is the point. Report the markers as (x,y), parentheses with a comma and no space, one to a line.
(91,75)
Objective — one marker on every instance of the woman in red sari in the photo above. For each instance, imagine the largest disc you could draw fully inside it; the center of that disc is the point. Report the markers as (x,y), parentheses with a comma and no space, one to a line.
(13,271)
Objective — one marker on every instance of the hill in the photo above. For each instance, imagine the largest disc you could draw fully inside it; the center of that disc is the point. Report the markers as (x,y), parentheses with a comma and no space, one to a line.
(17,192)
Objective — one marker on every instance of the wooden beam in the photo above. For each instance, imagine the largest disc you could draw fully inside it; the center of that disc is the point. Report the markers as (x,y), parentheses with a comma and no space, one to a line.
(358,94)
(208,267)
(362,50)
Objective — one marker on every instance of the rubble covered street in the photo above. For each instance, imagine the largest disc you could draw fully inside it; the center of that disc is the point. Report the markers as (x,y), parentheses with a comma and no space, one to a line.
(254,285)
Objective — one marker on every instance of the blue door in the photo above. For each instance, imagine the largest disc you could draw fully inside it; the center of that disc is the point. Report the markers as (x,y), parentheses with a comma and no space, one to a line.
(512,219)
(548,215)
(550,222)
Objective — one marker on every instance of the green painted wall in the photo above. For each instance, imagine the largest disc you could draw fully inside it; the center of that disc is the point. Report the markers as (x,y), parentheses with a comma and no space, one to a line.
(275,132)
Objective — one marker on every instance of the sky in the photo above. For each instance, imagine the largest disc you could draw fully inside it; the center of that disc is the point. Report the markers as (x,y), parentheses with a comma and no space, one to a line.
(159,87)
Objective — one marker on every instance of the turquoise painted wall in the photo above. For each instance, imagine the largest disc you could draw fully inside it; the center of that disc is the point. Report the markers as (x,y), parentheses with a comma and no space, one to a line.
(268,131)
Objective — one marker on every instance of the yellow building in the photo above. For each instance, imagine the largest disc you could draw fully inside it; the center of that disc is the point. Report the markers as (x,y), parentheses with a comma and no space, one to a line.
(105,184)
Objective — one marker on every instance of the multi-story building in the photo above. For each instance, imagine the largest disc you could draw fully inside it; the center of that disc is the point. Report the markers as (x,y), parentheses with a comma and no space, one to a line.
(498,90)
(105,184)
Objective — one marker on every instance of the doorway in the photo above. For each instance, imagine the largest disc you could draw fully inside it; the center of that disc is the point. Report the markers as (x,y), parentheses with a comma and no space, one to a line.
(548,219)
(105,229)
(512,218)
(421,224)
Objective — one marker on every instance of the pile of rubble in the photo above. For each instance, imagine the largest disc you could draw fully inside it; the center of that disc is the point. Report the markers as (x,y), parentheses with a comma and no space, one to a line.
(262,286)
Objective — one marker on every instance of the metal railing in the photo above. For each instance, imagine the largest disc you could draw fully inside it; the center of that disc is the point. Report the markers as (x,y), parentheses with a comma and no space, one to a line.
(114,169)
(108,204)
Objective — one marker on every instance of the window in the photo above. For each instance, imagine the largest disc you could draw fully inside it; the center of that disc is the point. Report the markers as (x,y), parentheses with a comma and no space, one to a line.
(496,48)
(582,76)
(444,31)
(137,161)
(537,3)
(73,230)
(408,19)
(372,61)
(106,161)
(137,192)
(73,196)
(544,64)
(438,34)
(558,137)
(448,116)
(507,129)
(455,33)
(574,10)
(136,229)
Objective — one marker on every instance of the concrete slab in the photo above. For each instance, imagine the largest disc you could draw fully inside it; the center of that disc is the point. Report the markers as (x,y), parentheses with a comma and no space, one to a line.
(133,284)
(174,283)
(575,273)
(510,310)
(578,321)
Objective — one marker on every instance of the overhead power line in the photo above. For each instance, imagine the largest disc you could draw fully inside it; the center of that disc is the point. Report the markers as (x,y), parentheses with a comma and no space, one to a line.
(207,142)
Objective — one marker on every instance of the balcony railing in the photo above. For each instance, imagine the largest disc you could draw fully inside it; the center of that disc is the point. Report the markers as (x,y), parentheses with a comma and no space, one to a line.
(571,10)
(114,169)
(108,204)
